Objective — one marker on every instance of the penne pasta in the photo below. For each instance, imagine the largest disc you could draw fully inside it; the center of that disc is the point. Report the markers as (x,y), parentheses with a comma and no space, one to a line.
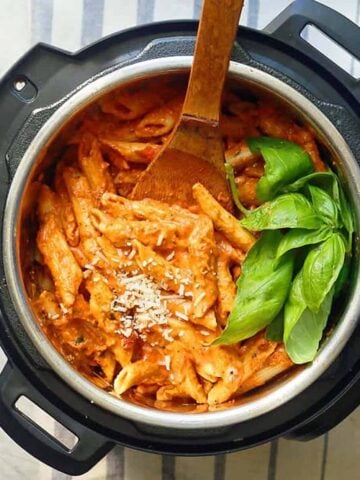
(208,320)
(48,309)
(240,155)
(246,187)
(94,167)
(82,200)
(227,251)
(134,152)
(100,300)
(227,289)
(202,261)
(148,209)
(128,105)
(58,257)
(224,222)
(88,251)
(184,376)
(277,363)
(125,181)
(279,125)
(48,204)
(65,209)
(121,231)
(125,131)
(139,372)
(256,170)
(123,350)
(224,365)
(254,353)
(161,120)
(115,159)
(169,276)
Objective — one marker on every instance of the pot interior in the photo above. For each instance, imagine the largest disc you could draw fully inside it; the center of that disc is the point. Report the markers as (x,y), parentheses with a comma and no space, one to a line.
(40,161)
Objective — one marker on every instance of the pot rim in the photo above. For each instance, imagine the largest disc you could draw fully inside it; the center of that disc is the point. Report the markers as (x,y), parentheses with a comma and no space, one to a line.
(290,387)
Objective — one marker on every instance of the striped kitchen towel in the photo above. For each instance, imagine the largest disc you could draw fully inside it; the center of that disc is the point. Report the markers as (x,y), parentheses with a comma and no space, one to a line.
(70,25)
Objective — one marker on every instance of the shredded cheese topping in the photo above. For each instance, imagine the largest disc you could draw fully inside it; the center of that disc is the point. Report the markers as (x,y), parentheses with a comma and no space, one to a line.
(141,304)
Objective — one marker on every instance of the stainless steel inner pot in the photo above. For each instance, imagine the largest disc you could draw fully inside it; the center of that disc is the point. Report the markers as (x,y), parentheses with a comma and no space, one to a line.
(256,404)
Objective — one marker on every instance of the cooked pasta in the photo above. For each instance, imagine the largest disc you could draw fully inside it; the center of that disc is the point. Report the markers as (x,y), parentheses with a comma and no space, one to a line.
(133,293)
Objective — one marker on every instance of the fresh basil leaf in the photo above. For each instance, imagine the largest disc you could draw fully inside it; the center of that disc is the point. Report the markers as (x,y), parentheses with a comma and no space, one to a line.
(291,210)
(321,269)
(328,182)
(294,306)
(343,277)
(284,162)
(333,190)
(324,205)
(275,331)
(262,289)
(324,180)
(229,169)
(302,342)
(299,237)
(347,217)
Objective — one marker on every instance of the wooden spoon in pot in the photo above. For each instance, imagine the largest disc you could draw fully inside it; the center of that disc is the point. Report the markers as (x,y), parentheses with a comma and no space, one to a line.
(195,152)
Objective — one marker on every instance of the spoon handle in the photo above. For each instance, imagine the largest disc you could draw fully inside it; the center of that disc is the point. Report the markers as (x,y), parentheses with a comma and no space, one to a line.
(215,38)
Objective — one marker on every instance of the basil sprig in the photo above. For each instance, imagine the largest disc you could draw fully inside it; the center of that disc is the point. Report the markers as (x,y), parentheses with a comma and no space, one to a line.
(324,206)
(262,289)
(291,210)
(303,328)
(230,176)
(321,269)
(309,224)
(275,331)
(299,237)
(284,162)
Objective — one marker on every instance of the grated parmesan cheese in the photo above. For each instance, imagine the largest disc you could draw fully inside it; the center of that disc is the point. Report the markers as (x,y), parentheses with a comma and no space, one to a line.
(167,362)
(166,334)
(132,254)
(205,333)
(170,256)
(199,299)
(160,239)
(182,316)
(170,297)
(141,304)
(63,308)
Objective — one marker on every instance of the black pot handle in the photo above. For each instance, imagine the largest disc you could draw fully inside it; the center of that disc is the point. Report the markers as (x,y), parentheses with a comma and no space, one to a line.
(90,448)
(343,403)
(288,26)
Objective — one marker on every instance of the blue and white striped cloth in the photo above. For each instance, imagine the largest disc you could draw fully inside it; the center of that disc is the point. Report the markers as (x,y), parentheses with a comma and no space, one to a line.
(71,25)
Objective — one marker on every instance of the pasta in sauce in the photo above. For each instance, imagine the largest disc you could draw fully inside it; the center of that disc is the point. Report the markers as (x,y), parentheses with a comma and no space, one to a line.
(132,293)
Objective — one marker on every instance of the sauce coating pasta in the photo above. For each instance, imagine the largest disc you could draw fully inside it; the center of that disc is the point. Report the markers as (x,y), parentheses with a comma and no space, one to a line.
(132,293)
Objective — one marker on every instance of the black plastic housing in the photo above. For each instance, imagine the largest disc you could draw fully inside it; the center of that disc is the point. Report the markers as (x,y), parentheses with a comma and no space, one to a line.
(54,76)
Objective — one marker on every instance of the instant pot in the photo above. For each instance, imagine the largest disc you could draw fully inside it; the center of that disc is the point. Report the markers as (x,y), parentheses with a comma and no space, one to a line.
(38,96)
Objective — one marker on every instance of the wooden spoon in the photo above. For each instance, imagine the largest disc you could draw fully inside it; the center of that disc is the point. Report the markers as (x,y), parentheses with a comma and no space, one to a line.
(195,152)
